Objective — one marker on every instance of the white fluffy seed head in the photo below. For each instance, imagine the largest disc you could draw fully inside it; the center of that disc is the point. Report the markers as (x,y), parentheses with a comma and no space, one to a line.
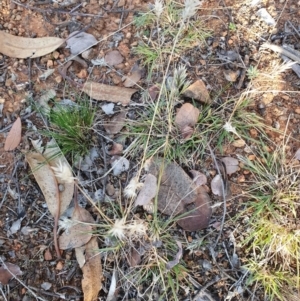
(63,172)
(158,8)
(228,127)
(131,189)
(190,8)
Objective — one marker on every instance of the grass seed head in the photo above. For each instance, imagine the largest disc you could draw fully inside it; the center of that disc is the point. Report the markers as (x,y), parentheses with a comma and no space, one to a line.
(63,172)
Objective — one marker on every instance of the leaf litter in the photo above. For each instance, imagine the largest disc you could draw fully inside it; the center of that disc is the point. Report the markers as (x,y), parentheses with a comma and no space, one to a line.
(20,47)
(14,136)
(179,196)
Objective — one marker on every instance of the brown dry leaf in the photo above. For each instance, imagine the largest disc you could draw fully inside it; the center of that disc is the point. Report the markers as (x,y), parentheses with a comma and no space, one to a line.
(8,271)
(13,138)
(178,194)
(92,271)
(232,164)
(116,123)
(80,255)
(153,92)
(108,93)
(20,47)
(46,180)
(216,185)
(52,153)
(148,191)
(186,117)
(134,77)
(297,154)
(47,255)
(113,58)
(178,256)
(133,257)
(79,234)
(198,177)
(187,132)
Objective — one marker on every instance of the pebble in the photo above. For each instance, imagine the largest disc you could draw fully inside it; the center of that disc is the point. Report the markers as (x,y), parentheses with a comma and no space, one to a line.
(239,143)
(253,133)
(231,75)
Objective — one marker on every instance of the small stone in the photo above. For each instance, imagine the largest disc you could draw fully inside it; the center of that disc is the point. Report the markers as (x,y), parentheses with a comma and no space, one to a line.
(198,91)
(251,157)
(110,189)
(253,133)
(241,179)
(239,143)
(82,73)
(49,64)
(18,18)
(297,110)
(59,266)
(267,98)
(58,79)
(231,75)
(55,54)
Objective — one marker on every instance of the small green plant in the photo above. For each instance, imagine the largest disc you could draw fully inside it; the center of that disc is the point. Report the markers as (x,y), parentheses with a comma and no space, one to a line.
(252,72)
(71,127)
(232,26)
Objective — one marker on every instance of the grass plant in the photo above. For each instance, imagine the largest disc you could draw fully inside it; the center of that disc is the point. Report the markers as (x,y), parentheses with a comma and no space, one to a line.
(71,127)
(273,241)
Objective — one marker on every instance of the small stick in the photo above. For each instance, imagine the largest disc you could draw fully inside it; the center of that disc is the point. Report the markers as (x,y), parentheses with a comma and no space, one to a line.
(223,194)
(283,51)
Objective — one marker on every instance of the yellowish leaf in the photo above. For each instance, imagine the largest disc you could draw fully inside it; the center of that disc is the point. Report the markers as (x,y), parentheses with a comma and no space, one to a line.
(20,47)
(92,271)
(46,180)
(13,138)
(108,93)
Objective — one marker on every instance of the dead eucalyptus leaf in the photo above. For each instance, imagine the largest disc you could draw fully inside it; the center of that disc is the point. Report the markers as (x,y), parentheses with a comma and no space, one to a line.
(8,271)
(80,255)
(297,154)
(232,164)
(178,195)
(53,155)
(46,180)
(13,138)
(216,185)
(198,177)
(177,258)
(92,271)
(113,58)
(80,233)
(20,47)
(199,212)
(133,257)
(148,191)
(108,93)
(134,77)
(77,42)
(186,118)
(76,236)
(116,123)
